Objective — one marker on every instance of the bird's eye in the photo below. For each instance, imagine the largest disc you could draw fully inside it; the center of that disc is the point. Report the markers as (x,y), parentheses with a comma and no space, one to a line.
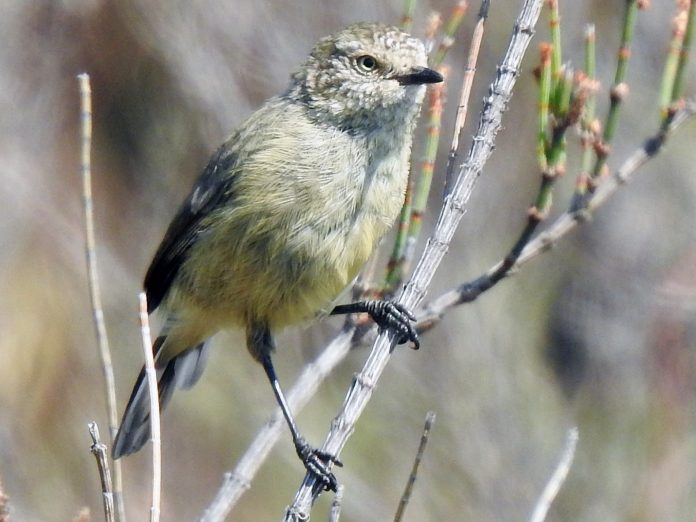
(366,63)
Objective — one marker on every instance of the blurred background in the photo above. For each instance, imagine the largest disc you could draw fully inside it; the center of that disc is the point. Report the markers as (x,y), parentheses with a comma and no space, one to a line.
(599,333)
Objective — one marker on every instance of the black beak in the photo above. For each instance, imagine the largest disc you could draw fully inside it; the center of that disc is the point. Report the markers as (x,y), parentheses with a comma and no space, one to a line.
(420,75)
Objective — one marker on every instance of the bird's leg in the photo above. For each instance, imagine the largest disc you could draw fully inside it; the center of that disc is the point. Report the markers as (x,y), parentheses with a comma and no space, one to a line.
(315,461)
(388,315)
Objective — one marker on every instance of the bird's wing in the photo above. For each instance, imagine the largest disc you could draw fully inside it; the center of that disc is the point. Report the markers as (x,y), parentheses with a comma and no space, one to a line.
(212,189)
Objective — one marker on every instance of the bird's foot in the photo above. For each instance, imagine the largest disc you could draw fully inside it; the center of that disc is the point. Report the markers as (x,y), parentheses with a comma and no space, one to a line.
(396,317)
(318,463)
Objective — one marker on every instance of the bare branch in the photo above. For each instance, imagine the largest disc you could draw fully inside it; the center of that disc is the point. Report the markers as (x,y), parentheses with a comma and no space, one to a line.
(558,477)
(154,410)
(335,512)
(467,84)
(406,496)
(93,276)
(98,449)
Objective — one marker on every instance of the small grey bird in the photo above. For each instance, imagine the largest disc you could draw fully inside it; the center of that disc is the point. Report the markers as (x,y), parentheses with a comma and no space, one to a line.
(285,214)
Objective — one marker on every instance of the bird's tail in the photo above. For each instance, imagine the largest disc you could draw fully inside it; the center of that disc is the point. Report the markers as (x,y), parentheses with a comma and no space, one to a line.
(182,371)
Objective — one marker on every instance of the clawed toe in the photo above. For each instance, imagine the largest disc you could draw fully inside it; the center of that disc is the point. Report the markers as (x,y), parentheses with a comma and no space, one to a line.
(387,315)
(318,463)
(394,316)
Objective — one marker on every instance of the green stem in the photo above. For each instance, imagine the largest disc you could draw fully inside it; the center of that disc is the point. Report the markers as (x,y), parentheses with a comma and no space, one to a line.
(544,96)
(407,17)
(589,116)
(684,54)
(450,30)
(616,97)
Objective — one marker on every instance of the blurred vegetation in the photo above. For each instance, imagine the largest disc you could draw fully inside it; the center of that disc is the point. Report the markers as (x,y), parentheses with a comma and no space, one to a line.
(600,333)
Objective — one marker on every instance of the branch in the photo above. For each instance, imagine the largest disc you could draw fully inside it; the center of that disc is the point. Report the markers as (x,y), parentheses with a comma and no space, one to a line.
(335,512)
(433,312)
(553,486)
(93,276)
(98,449)
(406,496)
(467,84)
(154,409)
(450,215)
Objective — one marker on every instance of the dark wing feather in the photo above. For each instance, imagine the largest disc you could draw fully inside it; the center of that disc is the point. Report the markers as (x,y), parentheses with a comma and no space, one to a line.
(212,189)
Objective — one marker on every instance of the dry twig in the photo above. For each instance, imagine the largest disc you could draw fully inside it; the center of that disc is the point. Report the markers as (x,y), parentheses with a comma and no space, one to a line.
(335,512)
(98,449)
(151,376)
(406,496)
(93,276)
(553,486)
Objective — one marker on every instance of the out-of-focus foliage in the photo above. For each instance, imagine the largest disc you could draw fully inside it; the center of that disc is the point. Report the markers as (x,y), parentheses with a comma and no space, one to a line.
(600,333)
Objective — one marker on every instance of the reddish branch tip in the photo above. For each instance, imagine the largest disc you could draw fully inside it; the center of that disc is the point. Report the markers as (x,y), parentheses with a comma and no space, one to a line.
(679,23)
(595,127)
(545,49)
(429,165)
(601,149)
(675,107)
(536,72)
(535,214)
(619,92)
(460,9)
(581,182)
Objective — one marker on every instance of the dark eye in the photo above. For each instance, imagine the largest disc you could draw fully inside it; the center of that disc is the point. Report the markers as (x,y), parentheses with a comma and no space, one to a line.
(366,63)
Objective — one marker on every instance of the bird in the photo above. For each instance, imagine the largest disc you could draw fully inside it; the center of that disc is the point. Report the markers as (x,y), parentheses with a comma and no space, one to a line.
(283,217)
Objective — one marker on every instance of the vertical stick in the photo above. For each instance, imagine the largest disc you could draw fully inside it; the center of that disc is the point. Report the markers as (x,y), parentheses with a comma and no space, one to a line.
(154,410)
(93,277)
(98,449)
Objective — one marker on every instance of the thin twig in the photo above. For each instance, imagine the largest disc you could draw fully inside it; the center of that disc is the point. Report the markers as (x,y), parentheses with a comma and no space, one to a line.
(618,90)
(432,312)
(558,477)
(335,512)
(452,211)
(678,89)
(673,58)
(468,82)
(93,277)
(98,449)
(588,124)
(406,496)
(154,409)
(450,29)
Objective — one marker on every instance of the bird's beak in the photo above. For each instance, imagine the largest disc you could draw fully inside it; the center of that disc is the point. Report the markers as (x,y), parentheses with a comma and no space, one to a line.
(418,76)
